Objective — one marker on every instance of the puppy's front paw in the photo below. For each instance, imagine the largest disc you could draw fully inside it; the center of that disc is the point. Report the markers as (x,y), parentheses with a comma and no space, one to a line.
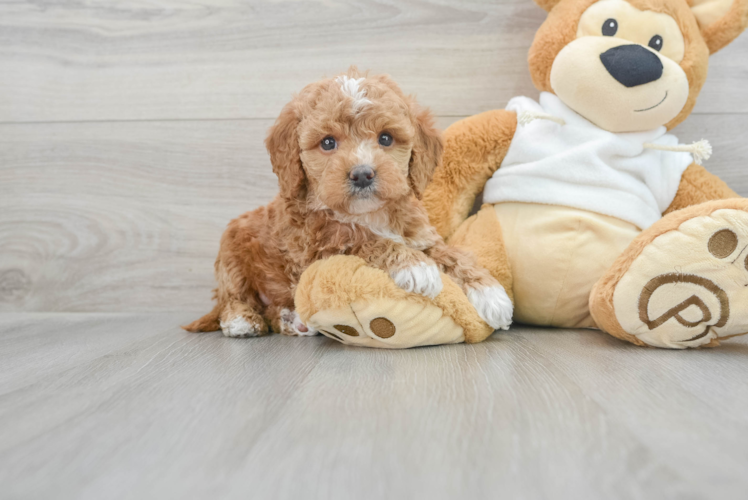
(493,306)
(240,327)
(423,279)
(291,324)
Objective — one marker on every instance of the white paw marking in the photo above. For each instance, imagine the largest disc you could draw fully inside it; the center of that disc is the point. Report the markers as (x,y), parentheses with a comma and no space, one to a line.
(239,327)
(493,306)
(291,324)
(352,88)
(422,278)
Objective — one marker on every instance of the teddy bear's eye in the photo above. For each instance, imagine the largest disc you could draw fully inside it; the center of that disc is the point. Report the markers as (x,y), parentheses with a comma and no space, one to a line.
(656,43)
(610,27)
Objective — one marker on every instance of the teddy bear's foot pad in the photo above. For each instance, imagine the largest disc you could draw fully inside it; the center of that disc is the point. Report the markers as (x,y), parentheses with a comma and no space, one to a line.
(350,302)
(389,324)
(688,285)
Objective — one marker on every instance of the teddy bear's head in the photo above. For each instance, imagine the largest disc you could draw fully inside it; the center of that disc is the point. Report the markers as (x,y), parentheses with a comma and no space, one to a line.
(631,65)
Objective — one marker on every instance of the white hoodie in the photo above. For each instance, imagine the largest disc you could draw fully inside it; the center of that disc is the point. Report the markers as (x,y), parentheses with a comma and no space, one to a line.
(582,166)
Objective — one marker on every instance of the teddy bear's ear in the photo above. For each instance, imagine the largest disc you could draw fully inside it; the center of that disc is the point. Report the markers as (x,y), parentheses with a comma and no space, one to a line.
(547,4)
(721,21)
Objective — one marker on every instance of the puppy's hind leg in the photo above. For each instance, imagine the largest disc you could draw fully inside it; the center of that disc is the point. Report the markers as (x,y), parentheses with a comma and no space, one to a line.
(235,319)
(238,319)
(237,298)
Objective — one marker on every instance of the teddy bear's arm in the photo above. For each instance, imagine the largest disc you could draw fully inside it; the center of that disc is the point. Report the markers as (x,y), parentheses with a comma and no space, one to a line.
(698,186)
(473,150)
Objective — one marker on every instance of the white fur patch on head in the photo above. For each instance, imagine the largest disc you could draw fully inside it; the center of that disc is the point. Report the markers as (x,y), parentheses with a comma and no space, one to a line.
(423,279)
(240,327)
(493,306)
(352,88)
(365,153)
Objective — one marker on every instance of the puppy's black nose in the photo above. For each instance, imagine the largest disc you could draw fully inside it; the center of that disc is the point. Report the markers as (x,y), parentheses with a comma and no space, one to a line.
(632,65)
(362,176)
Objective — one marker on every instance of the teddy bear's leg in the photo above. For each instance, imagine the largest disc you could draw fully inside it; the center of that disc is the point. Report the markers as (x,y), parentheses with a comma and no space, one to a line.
(698,185)
(348,301)
(541,256)
(682,282)
(481,235)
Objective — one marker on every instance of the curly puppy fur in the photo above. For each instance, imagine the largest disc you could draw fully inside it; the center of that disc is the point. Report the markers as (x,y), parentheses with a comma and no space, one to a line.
(321,212)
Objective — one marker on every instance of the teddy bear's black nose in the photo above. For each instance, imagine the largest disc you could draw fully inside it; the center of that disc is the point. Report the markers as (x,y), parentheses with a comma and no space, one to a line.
(632,65)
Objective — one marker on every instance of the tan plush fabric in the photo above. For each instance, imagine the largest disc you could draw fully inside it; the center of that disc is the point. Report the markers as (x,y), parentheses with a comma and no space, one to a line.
(547,4)
(558,30)
(344,291)
(698,186)
(481,234)
(474,149)
(479,144)
(702,35)
(557,254)
(635,25)
(708,12)
(687,287)
(603,300)
(562,26)
(721,21)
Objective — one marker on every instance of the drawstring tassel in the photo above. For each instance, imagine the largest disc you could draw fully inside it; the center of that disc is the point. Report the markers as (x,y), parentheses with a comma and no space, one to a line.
(528,117)
(700,151)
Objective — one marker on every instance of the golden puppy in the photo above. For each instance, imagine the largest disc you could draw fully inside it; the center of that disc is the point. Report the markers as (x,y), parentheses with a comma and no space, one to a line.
(353,156)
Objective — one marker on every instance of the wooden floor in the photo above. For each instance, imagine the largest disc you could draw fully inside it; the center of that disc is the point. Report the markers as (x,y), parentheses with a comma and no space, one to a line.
(121,406)
(131,132)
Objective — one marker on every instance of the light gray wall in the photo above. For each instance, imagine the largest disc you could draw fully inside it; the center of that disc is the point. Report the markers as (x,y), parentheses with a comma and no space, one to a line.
(132,132)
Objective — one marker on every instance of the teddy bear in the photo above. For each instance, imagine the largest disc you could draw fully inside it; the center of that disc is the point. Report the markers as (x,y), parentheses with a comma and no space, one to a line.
(593,216)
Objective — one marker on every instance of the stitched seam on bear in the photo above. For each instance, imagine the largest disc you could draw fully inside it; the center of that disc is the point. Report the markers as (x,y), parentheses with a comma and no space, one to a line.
(331,335)
(655,283)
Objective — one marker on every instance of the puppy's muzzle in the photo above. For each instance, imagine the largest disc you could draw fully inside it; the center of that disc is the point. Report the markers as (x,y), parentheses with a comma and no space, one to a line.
(632,65)
(361,177)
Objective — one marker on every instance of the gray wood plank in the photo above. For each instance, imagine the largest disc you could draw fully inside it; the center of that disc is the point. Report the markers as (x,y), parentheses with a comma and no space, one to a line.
(639,389)
(43,345)
(531,413)
(122,217)
(126,217)
(229,59)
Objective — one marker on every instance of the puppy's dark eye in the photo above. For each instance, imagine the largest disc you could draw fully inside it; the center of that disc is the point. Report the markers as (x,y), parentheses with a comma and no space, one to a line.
(328,144)
(610,27)
(385,139)
(656,43)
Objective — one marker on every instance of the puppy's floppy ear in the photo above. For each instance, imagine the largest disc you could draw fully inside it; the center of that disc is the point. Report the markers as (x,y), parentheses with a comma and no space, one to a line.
(427,150)
(721,21)
(285,153)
